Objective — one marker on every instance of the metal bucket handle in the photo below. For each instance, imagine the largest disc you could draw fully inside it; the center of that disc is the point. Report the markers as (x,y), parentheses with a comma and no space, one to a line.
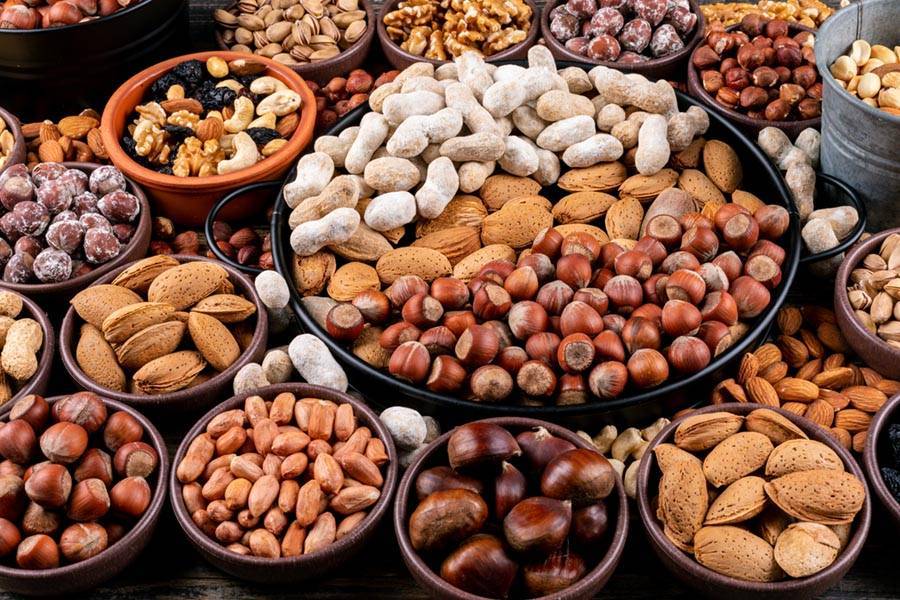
(851,198)
(214,212)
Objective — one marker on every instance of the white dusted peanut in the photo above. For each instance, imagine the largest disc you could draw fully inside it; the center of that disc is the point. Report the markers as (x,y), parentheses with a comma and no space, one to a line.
(337,146)
(577,79)
(387,211)
(653,147)
(476,117)
(475,147)
(272,289)
(422,82)
(373,130)
(810,141)
(446,71)
(314,171)
(415,133)
(609,116)
(504,97)
(519,158)
(474,72)
(685,126)
(342,192)
(634,90)
(558,136)
(508,73)
(399,107)
(528,122)
(314,362)
(419,69)
(842,219)
(557,105)
(472,175)
(548,165)
(441,184)
(336,227)
(540,57)
(596,149)
(381,93)
(391,174)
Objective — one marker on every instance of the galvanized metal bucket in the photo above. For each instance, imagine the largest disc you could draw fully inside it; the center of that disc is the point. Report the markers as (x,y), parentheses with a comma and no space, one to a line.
(861,144)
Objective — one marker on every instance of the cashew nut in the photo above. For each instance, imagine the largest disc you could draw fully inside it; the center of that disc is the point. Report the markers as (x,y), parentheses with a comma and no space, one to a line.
(627,442)
(266,85)
(245,155)
(282,102)
(604,440)
(267,121)
(243,115)
(629,481)
(617,465)
(649,432)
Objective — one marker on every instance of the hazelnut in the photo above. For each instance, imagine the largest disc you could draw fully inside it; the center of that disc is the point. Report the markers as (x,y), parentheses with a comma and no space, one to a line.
(527,318)
(635,263)
(719,306)
(399,333)
(608,254)
(572,389)
(730,263)
(82,408)
(737,78)
(741,231)
(594,298)
(491,302)
(640,332)
(548,242)
(32,409)
(490,383)
(581,243)
(37,519)
(89,501)
(754,24)
(608,346)
(712,80)
(574,270)
(666,229)
(809,108)
(680,318)
(452,293)
(422,310)
(447,375)
(9,537)
(751,57)
(728,63)
(374,305)
(701,242)
(720,41)
(608,379)
(647,368)
(777,28)
(37,552)
(458,321)
(728,97)
(716,335)
(438,340)
(49,486)
(754,97)
(554,296)
(522,284)
(773,221)
(410,361)
(653,248)
(688,354)
(477,345)
(768,248)
(764,77)
(624,292)
(751,296)
(12,497)
(82,541)
(135,459)
(788,56)
(575,353)
(763,269)
(17,441)
(405,287)
(512,358)
(579,317)
(536,378)
(120,429)
(679,260)
(130,497)
(705,57)
(543,346)
(791,93)
(651,312)
(686,285)
(541,264)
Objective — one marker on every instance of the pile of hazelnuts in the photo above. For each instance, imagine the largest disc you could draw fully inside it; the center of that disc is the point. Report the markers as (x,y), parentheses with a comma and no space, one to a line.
(576,319)
(522,516)
(73,479)
(762,70)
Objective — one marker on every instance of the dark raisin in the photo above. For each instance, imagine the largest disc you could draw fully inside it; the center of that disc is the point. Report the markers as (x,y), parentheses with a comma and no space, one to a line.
(129,145)
(177,132)
(167,170)
(191,71)
(893,435)
(892,479)
(213,98)
(245,91)
(246,80)
(161,86)
(262,135)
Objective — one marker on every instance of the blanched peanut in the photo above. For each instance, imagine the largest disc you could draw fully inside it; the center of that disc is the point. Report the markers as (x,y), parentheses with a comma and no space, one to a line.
(439,188)
(596,149)
(314,171)
(558,136)
(391,210)
(334,228)
(391,174)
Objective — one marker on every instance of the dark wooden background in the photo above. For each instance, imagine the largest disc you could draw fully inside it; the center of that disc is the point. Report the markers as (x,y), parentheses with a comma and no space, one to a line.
(170,568)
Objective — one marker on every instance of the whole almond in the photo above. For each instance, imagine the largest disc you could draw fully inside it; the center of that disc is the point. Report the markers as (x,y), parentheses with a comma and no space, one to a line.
(468,267)
(859,441)
(852,419)
(767,354)
(321,534)
(500,189)
(812,343)
(188,283)
(774,372)
(455,243)
(773,425)
(644,187)
(837,400)
(354,499)
(227,308)
(328,473)
(748,368)
(623,219)
(169,373)
(310,502)
(351,279)
(262,495)
(834,379)
(722,165)
(789,320)
(740,501)
(804,549)
(582,207)
(771,523)
(823,496)
(737,456)
(820,412)
(794,352)
(683,500)
(761,391)
(427,263)
(214,341)
(865,398)
(462,211)
(312,273)
(797,408)
(737,553)
(97,359)
(702,432)
(842,436)
(801,455)
(93,304)
(150,343)
(791,389)
(809,369)
(76,126)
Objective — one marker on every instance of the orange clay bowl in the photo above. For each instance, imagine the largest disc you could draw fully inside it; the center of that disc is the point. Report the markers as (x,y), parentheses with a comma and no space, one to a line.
(187,200)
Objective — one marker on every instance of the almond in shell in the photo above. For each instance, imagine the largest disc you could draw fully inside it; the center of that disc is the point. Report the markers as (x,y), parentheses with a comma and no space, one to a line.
(427,263)
(214,341)
(365,244)
(352,279)
(702,432)
(740,501)
(582,207)
(603,177)
(645,188)
(737,456)
(169,373)
(188,283)
(591,230)
(804,549)
(737,553)
(722,165)
(801,455)
(669,455)
(500,189)
(701,189)
(516,224)
(228,308)
(772,521)
(468,267)
(150,343)
(97,359)
(683,500)
(455,243)
(773,425)
(822,496)
(128,320)
(141,274)
(462,211)
(95,303)
(623,219)
(312,273)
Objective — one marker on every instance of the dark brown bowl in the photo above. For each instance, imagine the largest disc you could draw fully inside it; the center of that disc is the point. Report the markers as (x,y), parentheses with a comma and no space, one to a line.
(112,561)
(666,67)
(751,126)
(401,59)
(188,399)
(322,71)
(435,453)
(135,249)
(874,351)
(874,455)
(17,154)
(714,585)
(41,378)
(296,568)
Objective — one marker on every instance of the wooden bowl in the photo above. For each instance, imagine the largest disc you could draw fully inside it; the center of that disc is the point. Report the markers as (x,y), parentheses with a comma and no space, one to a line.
(874,456)
(401,59)
(338,66)
(874,351)
(714,585)
(191,398)
(135,249)
(748,125)
(665,67)
(186,200)
(112,561)
(296,568)
(436,454)
(17,154)
(40,380)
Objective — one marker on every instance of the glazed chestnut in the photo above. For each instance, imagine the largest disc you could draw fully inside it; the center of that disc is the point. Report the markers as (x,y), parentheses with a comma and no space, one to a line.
(561,570)
(442,478)
(480,443)
(647,368)
(480,566)
(589,523)
(538,525)
(445,517)
(509,489)
(580,475)
(540,446)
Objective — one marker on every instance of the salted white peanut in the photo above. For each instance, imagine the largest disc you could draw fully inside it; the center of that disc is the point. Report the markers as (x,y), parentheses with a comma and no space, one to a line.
(653,147)
(519,159)
(528,122)
(373,130)
(474,72)
(334,228)
(540,57)
(473,174)
(508,72)
(419,69)
(558,136)
(842,219)
(539,81)
(341,192)
(365,190)
(627,131)
(314,171)
(504,97)
(479,147)
(685,126)
(421,166)
(387,211)
(548,165)
(381,93)
(810,141)
(391,174)
(314,362)
(430,153)
(800,178)
(577,79)
(609,116)
(337,146)
(441,185)
(413,135)
(476,117)
(557,105)
(421,82)
(596,149)
(506,126)
(447,71)
(399,107)
(635,90)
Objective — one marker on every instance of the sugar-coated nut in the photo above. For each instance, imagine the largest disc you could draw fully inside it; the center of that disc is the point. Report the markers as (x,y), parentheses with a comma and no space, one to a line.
(314,362)
(407,427)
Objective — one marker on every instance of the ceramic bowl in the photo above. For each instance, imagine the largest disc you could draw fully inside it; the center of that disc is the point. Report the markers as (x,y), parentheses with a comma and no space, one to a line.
(41,379)
(401,59)
(187,199)
(338,66)
(92,572)
(665,67)
(714,585)
(876,454)
(874,351)
(135,248)
(747,124)
(192,398)
(436,454)
(298,568)
(17,154)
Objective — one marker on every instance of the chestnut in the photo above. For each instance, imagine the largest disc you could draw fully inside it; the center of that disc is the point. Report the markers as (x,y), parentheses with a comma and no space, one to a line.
(479,443)
(441,478)
(540,446)
(480,566)
(446,517)
(580,475)
(538,525)
(589,523)
(509,489)
(559,571)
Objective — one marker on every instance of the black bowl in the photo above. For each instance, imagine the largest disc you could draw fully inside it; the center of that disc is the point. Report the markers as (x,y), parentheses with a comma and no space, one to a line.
(643,406)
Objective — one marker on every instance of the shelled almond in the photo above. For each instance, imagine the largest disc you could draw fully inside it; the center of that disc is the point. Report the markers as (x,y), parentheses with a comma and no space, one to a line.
(73,138)
(808,369)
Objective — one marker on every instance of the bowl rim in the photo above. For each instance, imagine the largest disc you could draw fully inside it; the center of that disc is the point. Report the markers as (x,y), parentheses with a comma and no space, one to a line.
(386,41)
(140,239)
(309,69)
(842,303)
(38,382)
(17,154)
(697,91)
(446,401)
(110,130)
(143,526)
(879,422)
(355,537)
(81,24)
(559,48)
(257,343)
(694,569)
(600,573)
